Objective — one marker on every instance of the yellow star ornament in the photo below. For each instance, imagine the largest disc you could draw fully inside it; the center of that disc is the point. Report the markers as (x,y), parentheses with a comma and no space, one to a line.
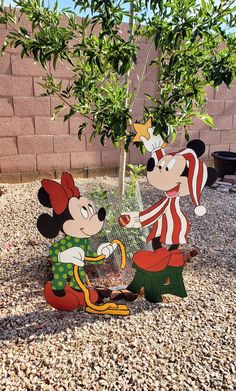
(142,130)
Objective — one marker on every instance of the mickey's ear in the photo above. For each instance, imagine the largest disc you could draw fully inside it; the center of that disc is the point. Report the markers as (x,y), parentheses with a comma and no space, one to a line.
(47,226)
(43,198)
(198,146)
(211,176)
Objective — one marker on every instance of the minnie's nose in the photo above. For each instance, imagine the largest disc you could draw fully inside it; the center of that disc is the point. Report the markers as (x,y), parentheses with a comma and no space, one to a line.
(101,214)
(150,164)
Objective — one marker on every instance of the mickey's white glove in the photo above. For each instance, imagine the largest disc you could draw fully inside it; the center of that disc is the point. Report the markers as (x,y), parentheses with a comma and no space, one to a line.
(106,249)
(133,217)
(73,255)
(154,142)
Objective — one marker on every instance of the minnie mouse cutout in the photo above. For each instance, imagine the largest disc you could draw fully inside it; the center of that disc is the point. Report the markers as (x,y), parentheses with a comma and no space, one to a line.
(77,218)
(178,175)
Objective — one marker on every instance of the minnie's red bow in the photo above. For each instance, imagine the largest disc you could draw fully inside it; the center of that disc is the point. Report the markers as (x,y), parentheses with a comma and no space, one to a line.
(59,194)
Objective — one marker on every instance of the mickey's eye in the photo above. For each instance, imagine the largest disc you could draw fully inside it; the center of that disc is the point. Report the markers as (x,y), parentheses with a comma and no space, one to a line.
(170,165)
(91,209)
(84,212)
(161,165)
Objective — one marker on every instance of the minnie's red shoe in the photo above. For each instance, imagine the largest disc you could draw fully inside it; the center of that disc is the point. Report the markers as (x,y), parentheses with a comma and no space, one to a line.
(69,302)
(93,295)
(153,261)
(73,299)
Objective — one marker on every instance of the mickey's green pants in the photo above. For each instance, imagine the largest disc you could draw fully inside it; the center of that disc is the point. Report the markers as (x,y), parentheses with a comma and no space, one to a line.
(60,273)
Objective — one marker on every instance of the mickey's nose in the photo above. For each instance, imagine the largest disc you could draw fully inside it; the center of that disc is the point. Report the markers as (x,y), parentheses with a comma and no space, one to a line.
(101,214)
(150,164)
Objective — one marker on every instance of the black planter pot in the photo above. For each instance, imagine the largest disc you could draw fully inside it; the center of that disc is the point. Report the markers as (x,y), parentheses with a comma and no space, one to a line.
(225,163)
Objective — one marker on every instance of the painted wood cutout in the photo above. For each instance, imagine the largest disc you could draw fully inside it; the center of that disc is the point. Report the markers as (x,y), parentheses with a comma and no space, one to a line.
(75,216)
(177,175)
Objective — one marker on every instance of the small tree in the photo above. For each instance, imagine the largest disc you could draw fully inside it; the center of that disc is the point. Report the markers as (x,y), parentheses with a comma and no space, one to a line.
(99,63)
(195,47)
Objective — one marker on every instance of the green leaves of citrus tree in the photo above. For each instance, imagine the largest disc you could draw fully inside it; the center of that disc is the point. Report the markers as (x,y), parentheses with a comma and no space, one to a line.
(196,43)
(197,49)
(98,62)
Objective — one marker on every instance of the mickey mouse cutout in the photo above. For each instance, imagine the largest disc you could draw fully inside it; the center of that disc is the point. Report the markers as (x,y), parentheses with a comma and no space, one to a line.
(76,217)
(178,175)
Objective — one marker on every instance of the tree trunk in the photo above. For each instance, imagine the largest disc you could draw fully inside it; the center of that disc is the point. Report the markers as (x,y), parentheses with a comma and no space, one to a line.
(122,168)
(123,154)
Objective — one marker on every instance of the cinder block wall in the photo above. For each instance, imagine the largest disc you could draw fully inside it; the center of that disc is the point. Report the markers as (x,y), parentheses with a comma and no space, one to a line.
(33,146)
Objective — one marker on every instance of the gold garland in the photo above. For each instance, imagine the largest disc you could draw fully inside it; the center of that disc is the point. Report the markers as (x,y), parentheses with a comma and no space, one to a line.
(107,308)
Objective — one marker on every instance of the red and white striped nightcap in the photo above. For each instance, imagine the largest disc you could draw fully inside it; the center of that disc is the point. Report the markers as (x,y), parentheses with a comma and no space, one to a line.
(197,177)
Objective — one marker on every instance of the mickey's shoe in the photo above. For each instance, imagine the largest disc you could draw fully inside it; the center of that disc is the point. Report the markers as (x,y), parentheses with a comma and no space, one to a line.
(176,258)
(153,261)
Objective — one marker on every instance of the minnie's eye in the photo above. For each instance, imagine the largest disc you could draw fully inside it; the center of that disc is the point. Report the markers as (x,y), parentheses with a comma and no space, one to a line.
(84,212)
(161,165)
(91,209)
(170,165)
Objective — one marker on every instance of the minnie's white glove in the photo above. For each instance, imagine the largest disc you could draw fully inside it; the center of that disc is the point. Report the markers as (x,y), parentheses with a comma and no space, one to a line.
(154,142)
(132,218)
(106,249)
(73,255)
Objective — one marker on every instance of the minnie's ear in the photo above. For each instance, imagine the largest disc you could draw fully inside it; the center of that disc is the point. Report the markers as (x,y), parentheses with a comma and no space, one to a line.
(47,226)
(43,198)
(198,146)
(211,176)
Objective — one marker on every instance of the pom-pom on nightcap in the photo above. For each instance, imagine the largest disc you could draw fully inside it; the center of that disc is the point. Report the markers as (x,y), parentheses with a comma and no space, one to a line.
(200,210)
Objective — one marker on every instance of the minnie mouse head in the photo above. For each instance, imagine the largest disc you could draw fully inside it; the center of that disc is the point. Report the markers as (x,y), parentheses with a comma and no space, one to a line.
(73,214)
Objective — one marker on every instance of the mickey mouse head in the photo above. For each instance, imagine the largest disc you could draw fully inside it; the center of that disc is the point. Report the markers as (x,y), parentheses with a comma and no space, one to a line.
(181,173)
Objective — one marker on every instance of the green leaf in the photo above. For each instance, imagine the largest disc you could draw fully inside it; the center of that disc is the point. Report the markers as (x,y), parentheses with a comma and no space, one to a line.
(93,134)
(207,119)
(55,62)
(55,7)
(57,109)
(81,129)
(187,137)
(67,116)
(203,4)
(174,135)
(228,77)
(103,139)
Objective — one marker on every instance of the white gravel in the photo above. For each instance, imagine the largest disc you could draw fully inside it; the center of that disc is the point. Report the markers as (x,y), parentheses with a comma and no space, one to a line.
(181,344)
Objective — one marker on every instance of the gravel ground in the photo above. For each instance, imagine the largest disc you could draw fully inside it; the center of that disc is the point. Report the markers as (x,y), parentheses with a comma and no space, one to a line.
(181,344)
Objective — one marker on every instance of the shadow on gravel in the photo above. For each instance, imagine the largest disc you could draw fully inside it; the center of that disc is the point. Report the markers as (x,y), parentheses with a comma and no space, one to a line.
(35,269)
(32,326)
(36,323)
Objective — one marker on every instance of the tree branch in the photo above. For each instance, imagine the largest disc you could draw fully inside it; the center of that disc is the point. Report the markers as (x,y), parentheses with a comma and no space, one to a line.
(142,77)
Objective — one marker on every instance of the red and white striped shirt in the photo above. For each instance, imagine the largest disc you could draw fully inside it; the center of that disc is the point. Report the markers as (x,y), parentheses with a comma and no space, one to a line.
(169,222)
